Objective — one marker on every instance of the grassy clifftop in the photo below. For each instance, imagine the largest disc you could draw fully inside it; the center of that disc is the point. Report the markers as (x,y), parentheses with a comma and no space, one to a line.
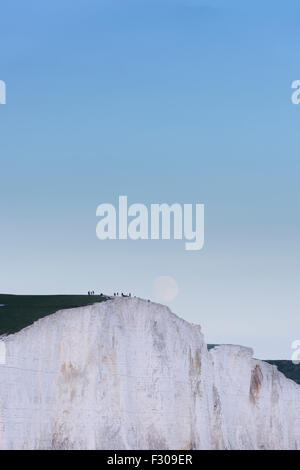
(290,370)
(19,311)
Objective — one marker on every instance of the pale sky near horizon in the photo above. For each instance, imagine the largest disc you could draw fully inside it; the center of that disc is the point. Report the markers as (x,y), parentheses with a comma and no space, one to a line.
(163,101)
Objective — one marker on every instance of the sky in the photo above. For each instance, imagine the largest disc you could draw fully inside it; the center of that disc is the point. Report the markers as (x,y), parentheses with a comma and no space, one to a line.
(164,101)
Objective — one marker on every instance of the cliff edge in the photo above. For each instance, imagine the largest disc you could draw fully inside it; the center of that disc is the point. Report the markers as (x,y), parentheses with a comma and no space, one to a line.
(129,374)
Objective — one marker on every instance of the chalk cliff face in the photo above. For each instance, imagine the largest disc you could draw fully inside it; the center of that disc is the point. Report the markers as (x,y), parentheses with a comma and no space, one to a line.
(129,374)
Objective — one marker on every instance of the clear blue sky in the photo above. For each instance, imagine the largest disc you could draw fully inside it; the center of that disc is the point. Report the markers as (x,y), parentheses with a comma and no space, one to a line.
(164,101)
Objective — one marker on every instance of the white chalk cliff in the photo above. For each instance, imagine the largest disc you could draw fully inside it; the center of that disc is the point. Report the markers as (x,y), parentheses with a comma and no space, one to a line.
(129,374)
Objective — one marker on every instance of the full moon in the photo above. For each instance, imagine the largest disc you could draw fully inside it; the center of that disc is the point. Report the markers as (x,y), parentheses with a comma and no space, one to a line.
(165,288)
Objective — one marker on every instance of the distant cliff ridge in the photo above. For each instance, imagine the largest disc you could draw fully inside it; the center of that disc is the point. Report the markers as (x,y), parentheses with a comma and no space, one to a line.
(129,374)
(290,369)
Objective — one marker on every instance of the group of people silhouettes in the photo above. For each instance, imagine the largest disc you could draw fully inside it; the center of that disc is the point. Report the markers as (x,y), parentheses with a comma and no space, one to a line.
(92,292)
(116,294)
